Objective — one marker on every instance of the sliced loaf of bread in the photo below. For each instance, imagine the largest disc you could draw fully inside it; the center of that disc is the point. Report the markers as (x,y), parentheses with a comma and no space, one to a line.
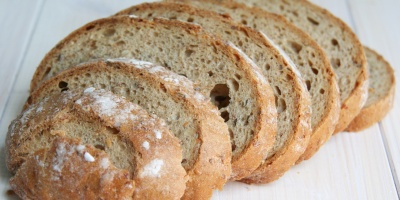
(235,84)
(293,110)
(307,55)
(191,116)
(380,93)
(37,178)
(134,141)
(340,44)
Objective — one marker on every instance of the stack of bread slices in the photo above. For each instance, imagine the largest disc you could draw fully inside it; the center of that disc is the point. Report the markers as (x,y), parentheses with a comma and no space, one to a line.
(170,100)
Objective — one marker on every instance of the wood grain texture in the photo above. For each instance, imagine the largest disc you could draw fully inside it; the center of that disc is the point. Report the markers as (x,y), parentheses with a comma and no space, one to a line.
(17,19)
(349,166)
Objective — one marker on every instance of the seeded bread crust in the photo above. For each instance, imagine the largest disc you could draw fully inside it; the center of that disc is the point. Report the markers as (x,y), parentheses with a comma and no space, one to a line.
(35,180)
(188,50)
(314,66)
(124,130)
(253,44)
(191,116)
(381,92)
(341,45)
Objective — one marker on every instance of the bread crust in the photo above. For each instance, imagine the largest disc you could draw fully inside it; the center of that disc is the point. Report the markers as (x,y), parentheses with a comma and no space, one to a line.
(378,110)
(81,179)
(255,152)
(212,167)
(323,130)
(264,106)
(351,105)
(135,129)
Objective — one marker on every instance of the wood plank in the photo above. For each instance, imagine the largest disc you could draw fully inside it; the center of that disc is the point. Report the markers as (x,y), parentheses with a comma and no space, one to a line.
(15,34)
(377,23)
(349,166)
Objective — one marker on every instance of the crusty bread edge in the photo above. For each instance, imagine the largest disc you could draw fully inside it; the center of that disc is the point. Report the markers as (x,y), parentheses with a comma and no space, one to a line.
(377,111)
(203,183)
(357,98)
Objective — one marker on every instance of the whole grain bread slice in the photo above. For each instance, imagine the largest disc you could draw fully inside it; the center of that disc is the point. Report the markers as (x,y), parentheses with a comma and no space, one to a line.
(190,115)
(340,44)
(234,83)
(133,139)
(293,109)
(381,91)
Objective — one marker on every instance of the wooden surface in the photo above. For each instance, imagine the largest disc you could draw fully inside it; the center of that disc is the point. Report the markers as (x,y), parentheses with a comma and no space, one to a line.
(365,165)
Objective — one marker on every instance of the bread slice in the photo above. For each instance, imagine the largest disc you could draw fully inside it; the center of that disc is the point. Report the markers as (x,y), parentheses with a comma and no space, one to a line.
(88,178)
(235,85)
(306,54)
(340,44)
(380,93)
(125,131)
(293,110)
(191,116)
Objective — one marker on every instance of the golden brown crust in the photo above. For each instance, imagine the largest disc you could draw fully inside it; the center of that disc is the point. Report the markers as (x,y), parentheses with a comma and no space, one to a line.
(377,111)
(274,167)
(255,152)
(325,127)
(81,179)
(262,95)
(212,167)
(353,104)
(40,124)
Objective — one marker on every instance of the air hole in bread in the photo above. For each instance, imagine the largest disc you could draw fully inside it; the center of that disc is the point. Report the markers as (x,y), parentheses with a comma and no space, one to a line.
(335,62)
(88,75)
(240,44)
(313,21)
(190,19)
(244,21)
(308,83)
(277,90)
(29,100)
(109,32)
(184,161)
(103,86)
(234,84)
(220,96)
(225,116)
(315,71)
(188,52)
(112,130)
(321,91)
(210,73)
(238,76)
(295,13)
(228,32)
(64,89)
(267,66)
(334,42)
(281,105)
(296,47)
(62,84)
(162,87)
(150,15)
(120,43)
(173,17)
(100,146)
(232,140)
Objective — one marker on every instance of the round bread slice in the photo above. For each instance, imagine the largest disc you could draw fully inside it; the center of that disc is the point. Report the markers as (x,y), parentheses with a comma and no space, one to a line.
(306,54)
(235,84)
(134,141)
(293,109)
(191,116)
(86,173)
(380,93)
(340,44)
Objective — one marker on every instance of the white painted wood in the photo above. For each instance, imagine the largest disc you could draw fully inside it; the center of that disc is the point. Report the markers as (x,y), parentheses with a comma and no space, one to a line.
(378,29)
(349,166)
(17,19)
